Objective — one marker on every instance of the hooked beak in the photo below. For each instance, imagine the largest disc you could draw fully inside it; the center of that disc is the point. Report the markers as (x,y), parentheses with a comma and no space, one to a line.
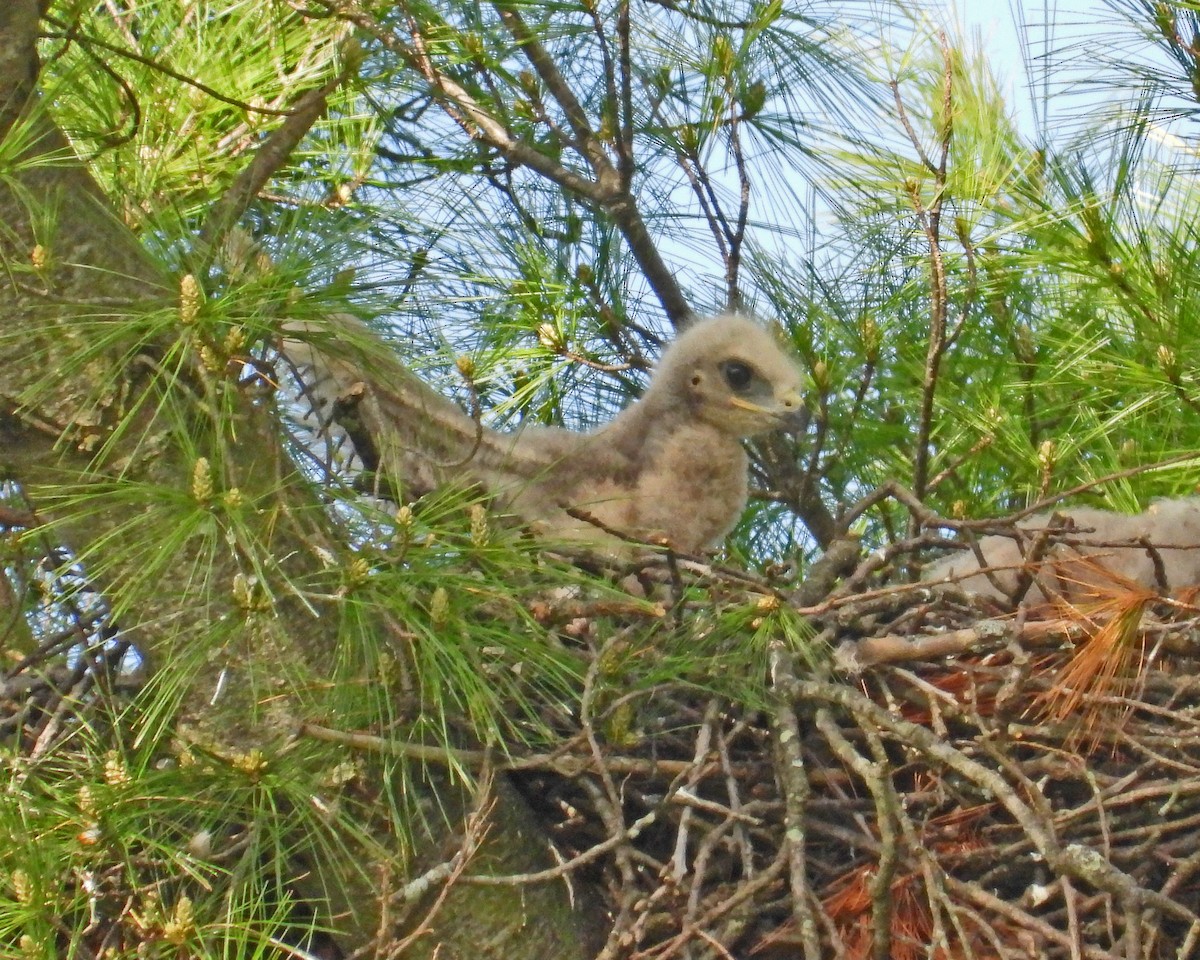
(794,415)
(790,411)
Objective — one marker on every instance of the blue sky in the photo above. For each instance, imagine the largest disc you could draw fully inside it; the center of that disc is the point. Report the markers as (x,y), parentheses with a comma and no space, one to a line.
(999,22)
(998,27)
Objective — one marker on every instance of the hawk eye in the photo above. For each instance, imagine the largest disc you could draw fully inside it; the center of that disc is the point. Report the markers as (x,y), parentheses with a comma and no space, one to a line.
(737,374)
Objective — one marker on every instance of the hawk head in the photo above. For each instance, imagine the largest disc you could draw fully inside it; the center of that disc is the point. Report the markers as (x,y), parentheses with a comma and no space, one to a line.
(731,373)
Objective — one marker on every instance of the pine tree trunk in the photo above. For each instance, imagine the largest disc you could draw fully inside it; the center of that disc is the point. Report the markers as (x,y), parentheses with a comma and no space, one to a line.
(67,255)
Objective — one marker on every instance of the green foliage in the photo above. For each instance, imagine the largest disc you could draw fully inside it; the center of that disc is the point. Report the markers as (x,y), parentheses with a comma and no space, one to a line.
(170,100)
(1069,293)
(176,847)
(1066,273)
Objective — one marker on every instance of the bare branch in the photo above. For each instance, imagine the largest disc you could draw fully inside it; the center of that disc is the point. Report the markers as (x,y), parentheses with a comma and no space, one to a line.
(270,156)
(789,742)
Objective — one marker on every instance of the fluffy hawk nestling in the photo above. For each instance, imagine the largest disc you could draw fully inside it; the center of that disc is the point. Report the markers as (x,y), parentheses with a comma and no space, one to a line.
(670,465)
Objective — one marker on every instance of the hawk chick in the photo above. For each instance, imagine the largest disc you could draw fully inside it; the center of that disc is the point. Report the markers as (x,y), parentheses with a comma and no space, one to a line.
(670,466)
(1093,553)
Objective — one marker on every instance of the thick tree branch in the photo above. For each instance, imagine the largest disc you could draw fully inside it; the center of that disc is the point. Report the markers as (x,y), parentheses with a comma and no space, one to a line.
(587,141)
(269,157)
(18,58)
(607,192)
